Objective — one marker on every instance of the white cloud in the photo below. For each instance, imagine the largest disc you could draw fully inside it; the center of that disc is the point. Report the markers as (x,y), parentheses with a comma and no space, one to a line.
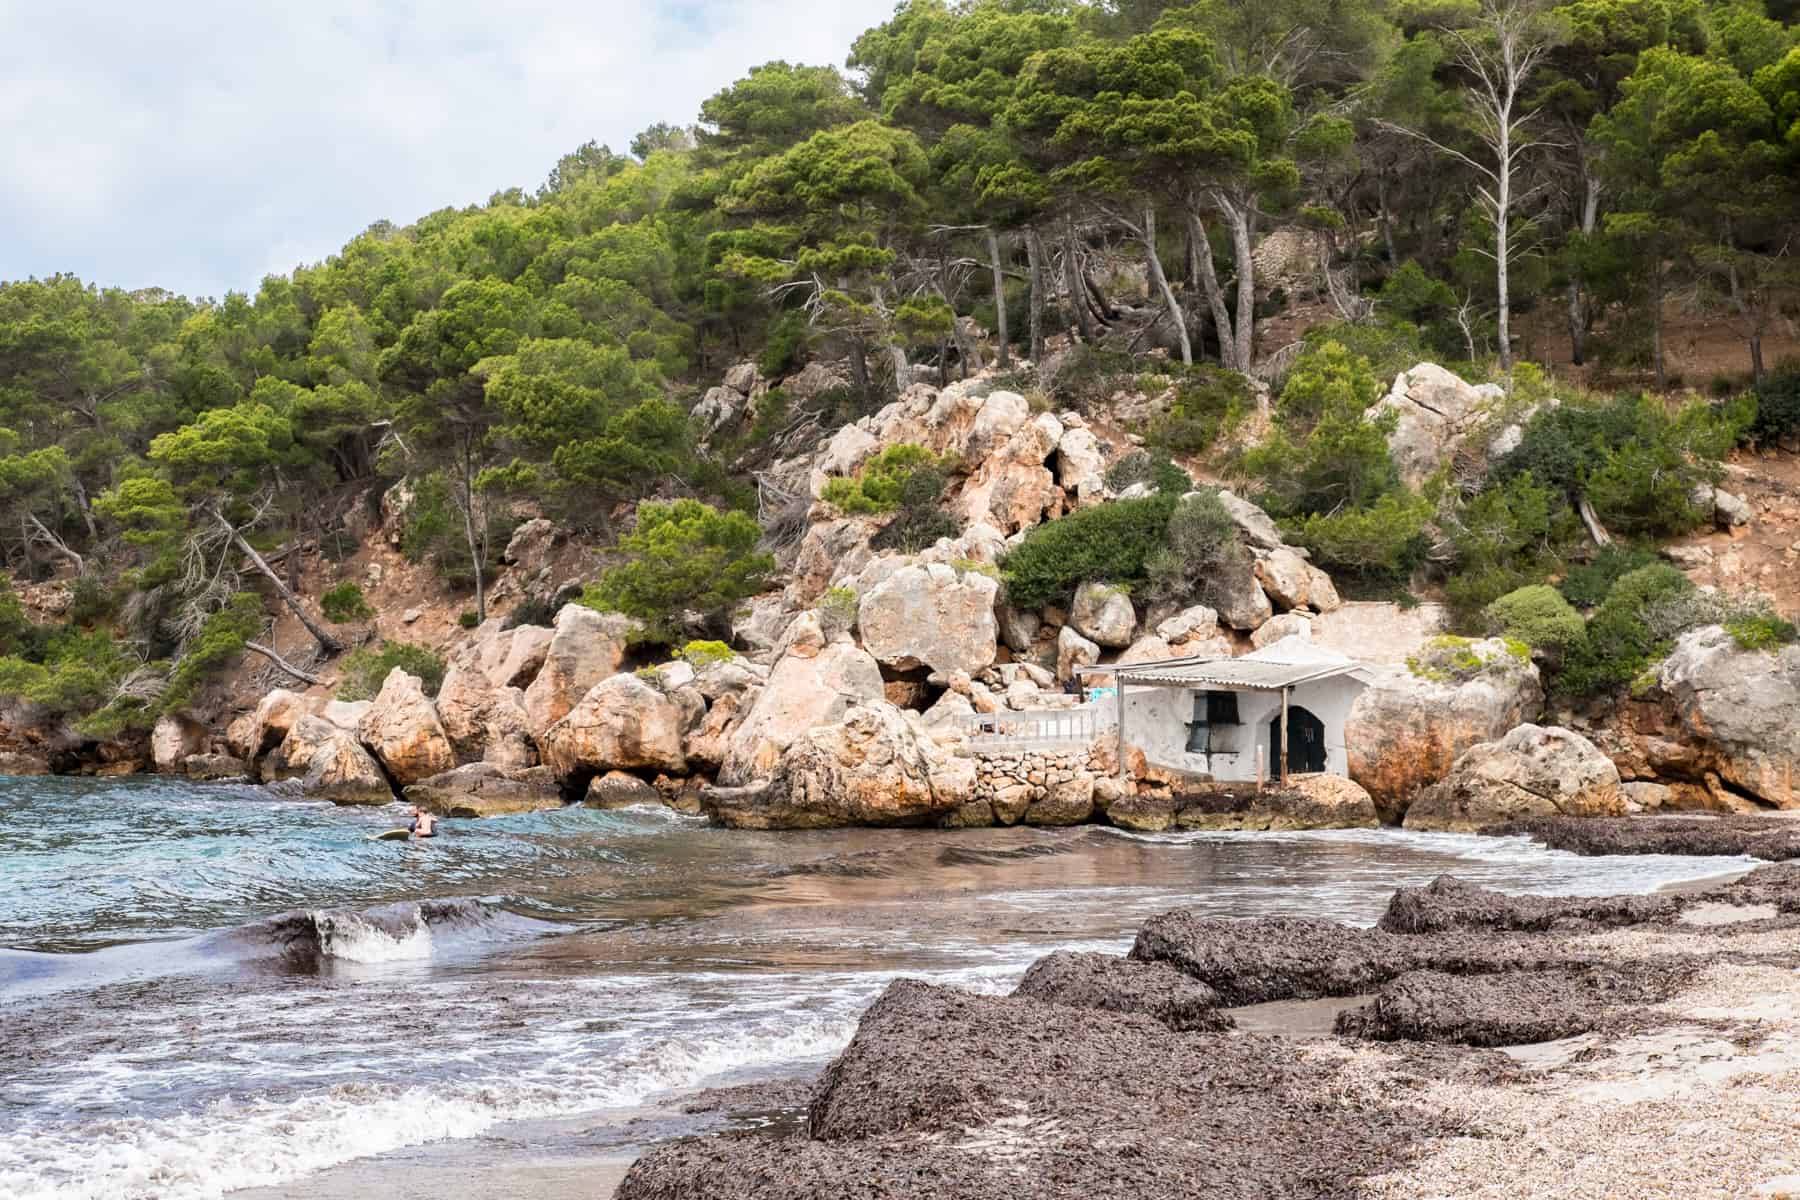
(199,144)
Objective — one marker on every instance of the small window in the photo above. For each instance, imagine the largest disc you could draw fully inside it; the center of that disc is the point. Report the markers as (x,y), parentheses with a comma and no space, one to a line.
(1212,710)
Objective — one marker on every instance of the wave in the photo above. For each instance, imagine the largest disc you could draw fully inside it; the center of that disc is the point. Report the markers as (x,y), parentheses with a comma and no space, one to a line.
(309,939)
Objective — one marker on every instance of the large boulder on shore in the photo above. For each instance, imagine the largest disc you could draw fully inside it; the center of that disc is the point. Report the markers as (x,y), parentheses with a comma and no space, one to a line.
(1722,711)
(585,647)
(1306,802)
(1434,411)
(402,729)
(1105,614)
(810,686)
(174,739)
(622,723)
(872,768)
(932,616)
(486,790)
(492,660)
(1531,772)
(1410,724)
(339,770)
(256,733)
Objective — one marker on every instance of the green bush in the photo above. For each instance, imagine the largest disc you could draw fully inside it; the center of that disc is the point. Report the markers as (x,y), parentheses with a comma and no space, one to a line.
(1586,585)
(1540,617)
(365,670)
(1379,546)
(1141,466)
(1389,346)
(783,345)
(877,487)
(838,608)
(1202,546)
(1622,642)
(703,654)
(1341,461)
(220,640)
(684,557)
(1208,402)
(1451,659)
(345,602)
(468,618)
(1112,541)
(1762,631)
(432,531)
(1326,378)
(1777,407)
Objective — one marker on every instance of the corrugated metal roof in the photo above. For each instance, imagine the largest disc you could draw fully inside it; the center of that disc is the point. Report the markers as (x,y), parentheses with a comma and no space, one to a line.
(1233,674)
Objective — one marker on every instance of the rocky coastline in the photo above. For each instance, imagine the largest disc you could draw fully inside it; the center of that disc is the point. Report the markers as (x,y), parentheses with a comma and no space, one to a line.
(1483,1045)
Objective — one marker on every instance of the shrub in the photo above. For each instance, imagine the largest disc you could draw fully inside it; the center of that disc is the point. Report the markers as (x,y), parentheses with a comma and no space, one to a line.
(1621,640)
(1380,545)
(1201,546)
(365,670)
(1389,346)
(533,610)
(1141,466)
(432,531)
(1327,378)
(877,487)
(838,609)
(1540,617)
(1342,460)
(1777,407)
(221,638)
(468,618)
(1458,659)
(918,521)
(345,602)
(1586,586)
(1208,401)
(1109,541)
(1762,631)
(684,557)
(1086,377)
(782,346)
(703,654)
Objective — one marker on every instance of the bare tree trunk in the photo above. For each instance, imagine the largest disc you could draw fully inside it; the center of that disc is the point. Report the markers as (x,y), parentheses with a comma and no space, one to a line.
(1001,336)
(1579,318)
(1502,211)
(859,370)
(1215,295)
(55,543)
(1387,220)
(282,663)
(1034,257)
(1591,519)
(1161,283)
(1237,219)
(1084,321)
(326,642)
(81,503)
(1656,329)
(477,547)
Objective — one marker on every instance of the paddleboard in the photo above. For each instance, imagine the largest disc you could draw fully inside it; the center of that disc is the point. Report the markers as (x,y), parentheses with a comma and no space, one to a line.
(392,835)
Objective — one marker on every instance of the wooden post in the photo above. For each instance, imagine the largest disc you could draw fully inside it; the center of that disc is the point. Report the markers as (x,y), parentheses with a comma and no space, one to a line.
(1284,731)
(1119,701)
(1260,766)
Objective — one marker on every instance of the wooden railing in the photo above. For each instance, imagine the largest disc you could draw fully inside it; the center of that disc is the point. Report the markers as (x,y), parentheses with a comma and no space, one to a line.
(1039,729)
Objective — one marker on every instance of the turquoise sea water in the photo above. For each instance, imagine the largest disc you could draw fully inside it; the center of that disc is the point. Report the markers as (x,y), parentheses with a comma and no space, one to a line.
(212,988)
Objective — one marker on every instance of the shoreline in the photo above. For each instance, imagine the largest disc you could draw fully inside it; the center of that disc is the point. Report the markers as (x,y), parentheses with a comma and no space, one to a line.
(497,1164)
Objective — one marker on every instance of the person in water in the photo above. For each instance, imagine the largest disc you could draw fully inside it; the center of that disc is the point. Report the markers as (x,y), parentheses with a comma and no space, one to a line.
(424,824)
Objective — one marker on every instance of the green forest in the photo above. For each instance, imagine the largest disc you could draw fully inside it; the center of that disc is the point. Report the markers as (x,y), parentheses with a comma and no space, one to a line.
(977,180)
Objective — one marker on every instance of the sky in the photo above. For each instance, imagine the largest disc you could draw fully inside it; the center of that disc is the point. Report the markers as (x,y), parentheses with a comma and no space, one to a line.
(199,145)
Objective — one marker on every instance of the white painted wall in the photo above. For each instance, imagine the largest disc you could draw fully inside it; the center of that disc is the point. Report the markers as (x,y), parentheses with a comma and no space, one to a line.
(1156,721)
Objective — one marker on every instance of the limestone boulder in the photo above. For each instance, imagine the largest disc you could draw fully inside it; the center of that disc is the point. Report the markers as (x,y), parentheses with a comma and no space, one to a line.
(292,758)
(1256,526)
(1239,597)
(1305,802)
(506,739)
(721,406)
(1014,489)
(830,553)
(342,771)
(1286,578)
(1149,648)
(1018,628)
(345,714)
(403,731)
(872,768)
(1197,621)
(620,789)
(174,739)
(931,616)
(1279,628)
(623,723)
(803,691)
(1000,415)
(1104,614)
(485,671)
(1435,411)
(847,450)
(584,648)
(1406,729)
(258,732)
(1081,466)
(1533,771)
(208,768)
(486,790)
(1720,710)
(1073,650)
(1321,594)
(1067,802)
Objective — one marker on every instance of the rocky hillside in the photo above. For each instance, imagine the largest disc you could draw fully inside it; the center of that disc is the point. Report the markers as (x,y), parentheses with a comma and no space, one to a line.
(850,689)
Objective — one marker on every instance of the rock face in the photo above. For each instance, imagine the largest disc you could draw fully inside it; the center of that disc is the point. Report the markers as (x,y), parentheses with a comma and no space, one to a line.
(342,772)
(1242,603)
(622,723)
(491,659)
(254,734)
(1104,613)
(202,768)
(807,688)
(586,647)
(1286,578)
(485,790)
(931,616)
(174,740)
(872,768)
(293,757)
(1073,650)
(1405,731)
(1531,772)
(403,730)
(1727,712)
(1436,410)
